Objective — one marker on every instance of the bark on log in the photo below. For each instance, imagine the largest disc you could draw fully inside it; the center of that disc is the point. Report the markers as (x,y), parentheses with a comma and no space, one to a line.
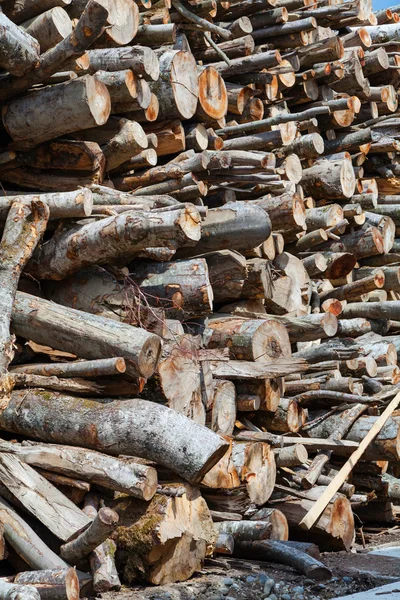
(23,229)
(272,526)
(62,205)
(95,534)
(49,28)
(52,584)
(165,540)
(33,319)
(116,238)
(74,105)
(40,498)
(223,227)
(131,437)
(124,476)
(19,51)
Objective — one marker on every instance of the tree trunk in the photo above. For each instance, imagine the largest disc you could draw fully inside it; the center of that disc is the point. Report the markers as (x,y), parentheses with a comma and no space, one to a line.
(191,454)
(96,337)
(75,105)
(25,224)
(19,51)
(62,205)
(213,99)
(273,526)
(329,179)
(139,59)
(112,239)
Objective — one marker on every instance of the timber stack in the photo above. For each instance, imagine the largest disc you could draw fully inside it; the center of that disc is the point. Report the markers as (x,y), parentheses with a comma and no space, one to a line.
(199,285)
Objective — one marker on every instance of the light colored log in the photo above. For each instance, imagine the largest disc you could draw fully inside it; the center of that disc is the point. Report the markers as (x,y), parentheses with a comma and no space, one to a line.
(124,476)
(25,224)
(62,205)
(111,239)
(191,454)
(34,318)
(49,28)
(52,584)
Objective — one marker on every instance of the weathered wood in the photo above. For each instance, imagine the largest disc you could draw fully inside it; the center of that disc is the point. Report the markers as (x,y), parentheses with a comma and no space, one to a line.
(135,426)
(19,50)
(113,473)
(61,257)
(25,225)
(49,28)
(52,584)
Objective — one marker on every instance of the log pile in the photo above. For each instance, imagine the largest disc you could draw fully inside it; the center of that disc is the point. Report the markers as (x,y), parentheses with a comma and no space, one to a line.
(199,285)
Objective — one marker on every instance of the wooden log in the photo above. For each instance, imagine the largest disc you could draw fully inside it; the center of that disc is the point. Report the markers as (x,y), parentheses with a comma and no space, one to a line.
(225,223)
(224,403)
(255,465)
(252,339)
(64,205)
(128,142)
(272,526)
(165,540)
(55,584)
(103,245)
(333,180)
(77,104)
(240,369)
(177,89)
(140,59)
(8,591)
(291,456)
(133,415)
(34,315)
(182,288)
(28,545)
(224,544)
(40,498)
(49,28)
(289,417)
(84,368)
(213,98)
(90,26)
(284,553)
(113,473)
(333,530)
(25,224)
(19,50)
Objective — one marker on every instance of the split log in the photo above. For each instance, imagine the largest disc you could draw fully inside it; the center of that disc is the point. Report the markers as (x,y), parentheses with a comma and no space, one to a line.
(333,530)
(255,465)
(113,473)
(189,460)
(39,497)
(224,403)
(27,544)
(165,540)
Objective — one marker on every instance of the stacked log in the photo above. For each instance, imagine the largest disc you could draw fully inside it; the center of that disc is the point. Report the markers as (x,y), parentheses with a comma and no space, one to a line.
(200,285)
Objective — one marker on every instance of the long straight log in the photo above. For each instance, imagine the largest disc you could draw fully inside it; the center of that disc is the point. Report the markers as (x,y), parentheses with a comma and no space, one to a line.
(95,337)
(140,428)
(19,51)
